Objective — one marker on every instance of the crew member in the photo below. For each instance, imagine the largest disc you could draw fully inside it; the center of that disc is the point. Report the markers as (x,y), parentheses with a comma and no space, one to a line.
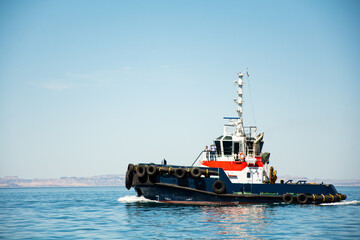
(213,152)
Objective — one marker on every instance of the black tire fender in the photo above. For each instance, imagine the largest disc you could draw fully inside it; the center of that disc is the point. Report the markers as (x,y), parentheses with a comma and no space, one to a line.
(302,198)
(195,172)
(179,172)
(288,198)
(131,167)
(129,179)
(151,170)
(219,187)
(141,170)
(343,196)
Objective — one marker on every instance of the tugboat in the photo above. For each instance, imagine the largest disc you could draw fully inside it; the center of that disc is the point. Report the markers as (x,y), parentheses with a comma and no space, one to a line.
(232,171)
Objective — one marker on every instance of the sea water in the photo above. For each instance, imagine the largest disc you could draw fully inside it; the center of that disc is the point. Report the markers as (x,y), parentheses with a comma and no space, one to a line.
(116,213)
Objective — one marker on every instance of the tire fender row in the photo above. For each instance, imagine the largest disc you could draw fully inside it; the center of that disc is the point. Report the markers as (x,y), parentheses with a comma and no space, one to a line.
(303,198)
(146,174)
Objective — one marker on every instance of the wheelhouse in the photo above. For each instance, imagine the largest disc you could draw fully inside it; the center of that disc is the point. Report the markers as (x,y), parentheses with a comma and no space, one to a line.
(229,145)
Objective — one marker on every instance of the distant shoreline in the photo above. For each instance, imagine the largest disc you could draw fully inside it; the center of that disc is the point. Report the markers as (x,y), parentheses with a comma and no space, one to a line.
(114,180)
(118,180)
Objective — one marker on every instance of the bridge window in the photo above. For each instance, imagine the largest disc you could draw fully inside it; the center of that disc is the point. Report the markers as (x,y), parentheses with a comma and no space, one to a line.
(238,148)
(227,147)
(218,148)
(259,147)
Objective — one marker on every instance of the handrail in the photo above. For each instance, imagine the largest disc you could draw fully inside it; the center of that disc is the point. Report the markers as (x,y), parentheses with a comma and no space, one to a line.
(197,158)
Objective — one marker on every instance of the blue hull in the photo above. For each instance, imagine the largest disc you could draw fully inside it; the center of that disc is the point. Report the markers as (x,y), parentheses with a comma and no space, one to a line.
(183,195)
(167,186)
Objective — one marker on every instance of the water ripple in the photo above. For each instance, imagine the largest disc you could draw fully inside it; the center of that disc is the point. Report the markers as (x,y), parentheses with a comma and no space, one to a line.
(112,213)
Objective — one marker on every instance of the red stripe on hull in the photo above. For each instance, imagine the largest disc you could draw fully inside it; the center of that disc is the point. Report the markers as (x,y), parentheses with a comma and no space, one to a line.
(231,165)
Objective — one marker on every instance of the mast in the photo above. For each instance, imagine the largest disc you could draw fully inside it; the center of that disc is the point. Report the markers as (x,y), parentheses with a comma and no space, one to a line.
(239,102)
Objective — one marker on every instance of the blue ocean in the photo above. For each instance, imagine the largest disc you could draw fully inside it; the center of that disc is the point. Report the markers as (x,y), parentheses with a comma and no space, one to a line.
(116,213)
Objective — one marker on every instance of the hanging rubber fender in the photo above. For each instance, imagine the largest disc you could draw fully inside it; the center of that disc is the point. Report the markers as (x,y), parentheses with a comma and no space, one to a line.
(343,196)
(143,180)
(151,170)
(218,187)
(128,179)
(288,198)
(302,198)
(129,176)
(242,156)
(162,170)
(131,167)
(141,170)
(195,172)
(337,197)
(179,172)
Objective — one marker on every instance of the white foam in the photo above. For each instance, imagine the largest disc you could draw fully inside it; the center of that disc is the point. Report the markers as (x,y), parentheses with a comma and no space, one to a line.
(133,199)
(354,202)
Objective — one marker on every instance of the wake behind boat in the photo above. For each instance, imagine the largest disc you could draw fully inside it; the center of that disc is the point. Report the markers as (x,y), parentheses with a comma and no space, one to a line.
(234,170)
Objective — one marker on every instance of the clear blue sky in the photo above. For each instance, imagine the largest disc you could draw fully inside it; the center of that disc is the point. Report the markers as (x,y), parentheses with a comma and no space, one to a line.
(87,87)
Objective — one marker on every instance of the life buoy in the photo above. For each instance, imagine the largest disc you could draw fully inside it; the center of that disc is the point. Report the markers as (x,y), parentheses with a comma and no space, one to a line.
(218,187)
(288,198)
(179,173)
(242,156)
(302,198)
(195,172)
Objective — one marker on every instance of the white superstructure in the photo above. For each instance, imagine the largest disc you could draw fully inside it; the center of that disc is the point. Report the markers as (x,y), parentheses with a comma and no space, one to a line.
(238,150)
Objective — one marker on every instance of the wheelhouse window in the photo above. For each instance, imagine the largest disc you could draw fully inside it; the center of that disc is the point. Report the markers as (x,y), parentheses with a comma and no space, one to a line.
(218,148)
(238,148)
(227,147)
(259,148)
